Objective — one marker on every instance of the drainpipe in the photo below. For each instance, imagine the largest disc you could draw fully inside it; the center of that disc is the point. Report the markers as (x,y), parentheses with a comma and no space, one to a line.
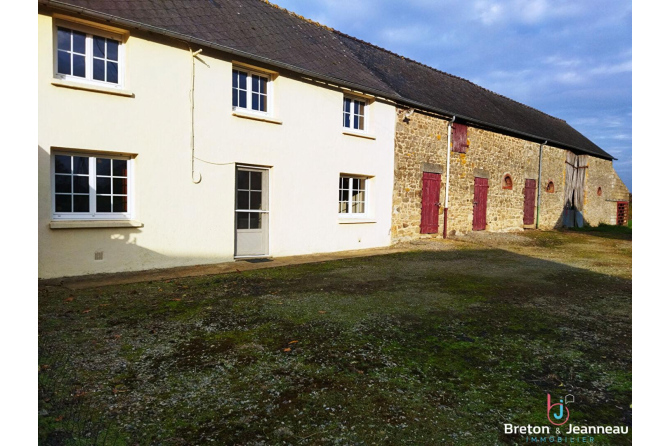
(193,173)
(539,191)
(446,186)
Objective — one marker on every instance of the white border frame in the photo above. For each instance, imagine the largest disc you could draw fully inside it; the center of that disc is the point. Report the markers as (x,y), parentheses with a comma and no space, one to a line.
(93,216)
(90,31)
(268,169)
(366,202)
(366,114)
(270,93)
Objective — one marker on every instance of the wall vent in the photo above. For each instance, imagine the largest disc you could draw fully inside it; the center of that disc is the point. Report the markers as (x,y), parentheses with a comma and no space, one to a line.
(98,255)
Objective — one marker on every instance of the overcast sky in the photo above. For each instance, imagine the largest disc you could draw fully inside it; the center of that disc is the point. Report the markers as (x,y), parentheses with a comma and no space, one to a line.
(571,59)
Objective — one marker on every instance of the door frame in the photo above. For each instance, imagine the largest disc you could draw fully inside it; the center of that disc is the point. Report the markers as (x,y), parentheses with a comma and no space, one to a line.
(267,170)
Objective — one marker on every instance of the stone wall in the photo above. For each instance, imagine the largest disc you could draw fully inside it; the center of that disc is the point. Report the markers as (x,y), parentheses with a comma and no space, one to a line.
(420,145)
(551,203)
(602,208)
(493,155)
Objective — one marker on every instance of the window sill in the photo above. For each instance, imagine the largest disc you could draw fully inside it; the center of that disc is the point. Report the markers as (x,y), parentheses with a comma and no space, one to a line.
(92,87)
(257,117)
(360,135)
(76,224)
(354,221)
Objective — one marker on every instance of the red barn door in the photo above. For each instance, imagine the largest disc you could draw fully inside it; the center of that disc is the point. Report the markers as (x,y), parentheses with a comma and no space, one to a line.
(529,202)
(481,194)
(430,203)
(622,213)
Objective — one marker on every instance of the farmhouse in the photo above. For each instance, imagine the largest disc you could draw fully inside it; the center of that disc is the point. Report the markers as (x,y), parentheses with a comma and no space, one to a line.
(203,131)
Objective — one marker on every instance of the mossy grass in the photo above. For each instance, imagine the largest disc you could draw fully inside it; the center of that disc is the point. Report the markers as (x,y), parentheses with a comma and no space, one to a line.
(424,347)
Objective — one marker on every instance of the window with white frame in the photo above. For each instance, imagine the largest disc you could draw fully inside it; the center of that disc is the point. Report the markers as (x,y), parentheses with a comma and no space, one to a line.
(88,55)
(353,111)
(91,186)
(251,91)
(353,198)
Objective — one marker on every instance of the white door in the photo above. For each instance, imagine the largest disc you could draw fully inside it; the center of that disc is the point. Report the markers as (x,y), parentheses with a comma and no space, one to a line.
(251,212)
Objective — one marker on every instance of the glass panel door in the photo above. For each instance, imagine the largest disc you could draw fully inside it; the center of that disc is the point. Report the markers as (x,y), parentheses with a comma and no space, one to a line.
(251,212)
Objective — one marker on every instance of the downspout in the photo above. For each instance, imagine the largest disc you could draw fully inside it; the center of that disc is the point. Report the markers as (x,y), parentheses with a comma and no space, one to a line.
(539,191)
(446,186)
(193,173)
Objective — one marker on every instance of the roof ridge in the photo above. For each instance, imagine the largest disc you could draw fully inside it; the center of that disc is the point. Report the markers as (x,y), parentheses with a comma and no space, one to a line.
(296,15)
(345,48)
(441,72)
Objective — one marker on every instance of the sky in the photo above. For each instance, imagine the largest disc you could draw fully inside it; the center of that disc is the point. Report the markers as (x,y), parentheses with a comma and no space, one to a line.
(571,59)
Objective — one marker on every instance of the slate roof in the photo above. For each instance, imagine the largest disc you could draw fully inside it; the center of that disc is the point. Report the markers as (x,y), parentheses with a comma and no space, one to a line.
(264,32)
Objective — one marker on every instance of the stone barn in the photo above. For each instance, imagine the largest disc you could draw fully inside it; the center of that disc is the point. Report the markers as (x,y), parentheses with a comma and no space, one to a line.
(468,159)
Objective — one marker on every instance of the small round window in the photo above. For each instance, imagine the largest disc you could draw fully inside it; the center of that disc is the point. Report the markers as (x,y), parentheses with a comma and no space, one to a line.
(550,187)
(507,182)
(600,191)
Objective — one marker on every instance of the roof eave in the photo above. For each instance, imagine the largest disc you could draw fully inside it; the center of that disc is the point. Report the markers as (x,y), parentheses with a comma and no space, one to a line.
(481,123)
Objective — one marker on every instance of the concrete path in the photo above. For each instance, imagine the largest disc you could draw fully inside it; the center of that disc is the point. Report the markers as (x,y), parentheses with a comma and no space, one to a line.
(99,280)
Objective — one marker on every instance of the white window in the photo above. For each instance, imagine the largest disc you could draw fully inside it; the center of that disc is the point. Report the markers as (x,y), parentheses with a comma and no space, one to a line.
(91,187)
(251,91)
(85,55)
(354,113)
(352,196)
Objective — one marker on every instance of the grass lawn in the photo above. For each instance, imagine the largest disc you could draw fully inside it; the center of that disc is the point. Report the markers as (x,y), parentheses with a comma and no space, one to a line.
(439,345)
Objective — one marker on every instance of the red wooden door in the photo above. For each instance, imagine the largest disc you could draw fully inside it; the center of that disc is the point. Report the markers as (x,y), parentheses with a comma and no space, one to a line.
(481,194)
(430,203)
(529,202)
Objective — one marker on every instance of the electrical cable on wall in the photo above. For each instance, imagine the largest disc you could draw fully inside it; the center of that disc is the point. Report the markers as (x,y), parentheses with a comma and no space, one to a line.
(192,101)
(212,162)
(192,98)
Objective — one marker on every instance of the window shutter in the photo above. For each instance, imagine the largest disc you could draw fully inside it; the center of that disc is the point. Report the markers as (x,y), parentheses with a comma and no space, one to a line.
(459,137)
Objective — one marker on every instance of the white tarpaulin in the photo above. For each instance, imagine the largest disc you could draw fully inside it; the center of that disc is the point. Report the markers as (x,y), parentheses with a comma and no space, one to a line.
(575,173)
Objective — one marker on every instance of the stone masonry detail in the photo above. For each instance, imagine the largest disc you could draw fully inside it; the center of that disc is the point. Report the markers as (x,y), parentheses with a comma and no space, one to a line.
(602,209)
(494,155)
(421,141)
